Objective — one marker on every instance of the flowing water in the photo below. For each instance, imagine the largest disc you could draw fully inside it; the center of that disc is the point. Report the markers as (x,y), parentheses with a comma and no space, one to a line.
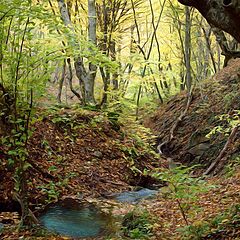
(135,196)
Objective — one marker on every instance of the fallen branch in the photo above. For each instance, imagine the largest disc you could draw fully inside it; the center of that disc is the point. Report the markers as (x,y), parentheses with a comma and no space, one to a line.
(180,118)
(112,182)
(222,153)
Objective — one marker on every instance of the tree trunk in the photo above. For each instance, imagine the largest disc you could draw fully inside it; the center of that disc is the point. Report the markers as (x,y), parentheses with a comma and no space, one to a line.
(224,14)
(89,81)
(188,49)
(86,78)
(60,87)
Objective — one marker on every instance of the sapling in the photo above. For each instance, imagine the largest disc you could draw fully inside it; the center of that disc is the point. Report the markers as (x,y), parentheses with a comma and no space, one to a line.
(183,188)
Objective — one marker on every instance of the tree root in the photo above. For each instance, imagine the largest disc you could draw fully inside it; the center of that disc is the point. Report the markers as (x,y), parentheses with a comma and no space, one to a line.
(32,217)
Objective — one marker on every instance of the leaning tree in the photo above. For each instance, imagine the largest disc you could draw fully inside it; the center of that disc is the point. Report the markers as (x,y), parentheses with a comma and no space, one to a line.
(223,14)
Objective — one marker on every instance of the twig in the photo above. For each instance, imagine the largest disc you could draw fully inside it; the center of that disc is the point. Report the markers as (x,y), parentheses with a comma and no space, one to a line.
(112,182)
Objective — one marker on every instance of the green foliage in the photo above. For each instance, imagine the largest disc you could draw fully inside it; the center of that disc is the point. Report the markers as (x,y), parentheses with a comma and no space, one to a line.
(183,189)
(227,123)
(231,96)
(232,166)
(226,221)
(137,224)
(195,231)
(51,190)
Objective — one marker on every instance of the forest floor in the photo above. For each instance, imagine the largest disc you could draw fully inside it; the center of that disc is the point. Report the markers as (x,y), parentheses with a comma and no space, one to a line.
(82,154)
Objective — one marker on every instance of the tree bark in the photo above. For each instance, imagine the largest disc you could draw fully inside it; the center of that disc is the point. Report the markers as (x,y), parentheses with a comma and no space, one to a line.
(188,48)
(92,37)
(224,14)
(60,87)
(86,78)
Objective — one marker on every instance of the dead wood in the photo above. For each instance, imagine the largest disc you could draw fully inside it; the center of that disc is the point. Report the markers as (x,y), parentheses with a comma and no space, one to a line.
(180,118)
(223,152)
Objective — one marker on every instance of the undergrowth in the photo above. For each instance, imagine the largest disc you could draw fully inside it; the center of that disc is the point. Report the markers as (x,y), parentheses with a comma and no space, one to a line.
(220,227)
(137,224)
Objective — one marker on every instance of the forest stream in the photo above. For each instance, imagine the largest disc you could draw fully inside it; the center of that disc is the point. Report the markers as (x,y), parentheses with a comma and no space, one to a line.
(76,219)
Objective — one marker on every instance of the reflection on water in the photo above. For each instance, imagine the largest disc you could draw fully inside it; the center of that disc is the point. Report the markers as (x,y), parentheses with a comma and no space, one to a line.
(85,221)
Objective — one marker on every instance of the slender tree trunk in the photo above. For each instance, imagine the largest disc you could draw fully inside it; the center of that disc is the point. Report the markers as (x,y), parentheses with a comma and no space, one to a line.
(113,57)
(71,78)
(207,35)
(188,79)
(60,87)
(92,36)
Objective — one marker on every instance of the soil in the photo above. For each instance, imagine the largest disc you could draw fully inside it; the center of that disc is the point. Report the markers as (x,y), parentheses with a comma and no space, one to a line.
(76,154)
(210,100)
(79,154)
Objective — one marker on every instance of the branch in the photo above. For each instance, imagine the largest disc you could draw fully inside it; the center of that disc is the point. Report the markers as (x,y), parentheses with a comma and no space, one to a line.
(176,124)
(223,152)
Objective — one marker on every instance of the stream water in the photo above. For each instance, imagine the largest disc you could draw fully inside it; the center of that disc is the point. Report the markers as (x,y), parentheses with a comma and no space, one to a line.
(79,220)
(85,221)
(135,196)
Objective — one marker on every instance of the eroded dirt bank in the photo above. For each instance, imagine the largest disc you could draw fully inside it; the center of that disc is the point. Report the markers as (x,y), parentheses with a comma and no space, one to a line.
(214,103)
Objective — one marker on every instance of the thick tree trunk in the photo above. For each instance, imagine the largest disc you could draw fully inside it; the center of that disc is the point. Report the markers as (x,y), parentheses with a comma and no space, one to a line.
(224,14)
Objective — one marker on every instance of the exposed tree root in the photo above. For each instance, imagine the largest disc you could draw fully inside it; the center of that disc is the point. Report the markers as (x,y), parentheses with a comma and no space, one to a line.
(223,152)
(176,124)
(31,216)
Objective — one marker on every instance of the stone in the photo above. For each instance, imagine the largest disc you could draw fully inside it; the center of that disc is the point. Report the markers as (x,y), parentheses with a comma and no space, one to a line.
(97,154)
(199,149)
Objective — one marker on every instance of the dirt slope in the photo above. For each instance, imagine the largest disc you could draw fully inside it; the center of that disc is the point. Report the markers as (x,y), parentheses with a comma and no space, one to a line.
(76,154)
(213,98)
